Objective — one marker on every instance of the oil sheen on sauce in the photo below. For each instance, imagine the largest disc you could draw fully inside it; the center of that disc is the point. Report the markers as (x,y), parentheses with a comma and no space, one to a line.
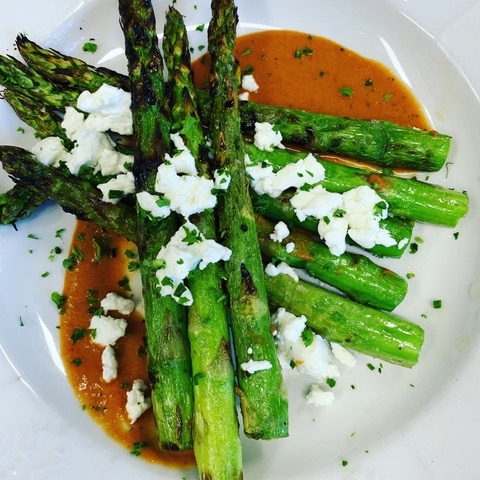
(292,69)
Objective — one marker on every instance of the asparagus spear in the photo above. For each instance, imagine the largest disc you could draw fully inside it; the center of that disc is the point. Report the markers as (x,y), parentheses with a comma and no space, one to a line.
(122,221)
(281,209)
(379,142)
(67,71)
(337,319)
(18,203)
(169,367)
(40,182)
(263,397)
(407,198)
(216,440)
(349,272)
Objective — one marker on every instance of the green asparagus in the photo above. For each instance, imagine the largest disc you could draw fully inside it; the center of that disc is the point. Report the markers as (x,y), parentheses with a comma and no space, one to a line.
(349,272)
(406,197)
(337,319)
(216,440)
(263,397)
(379,142)
(169,366)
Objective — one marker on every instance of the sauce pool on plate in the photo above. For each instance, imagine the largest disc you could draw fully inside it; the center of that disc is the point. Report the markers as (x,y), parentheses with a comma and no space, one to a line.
(292,69)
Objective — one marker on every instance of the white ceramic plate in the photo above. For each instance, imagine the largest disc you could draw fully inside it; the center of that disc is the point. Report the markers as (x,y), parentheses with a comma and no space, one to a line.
(420,423)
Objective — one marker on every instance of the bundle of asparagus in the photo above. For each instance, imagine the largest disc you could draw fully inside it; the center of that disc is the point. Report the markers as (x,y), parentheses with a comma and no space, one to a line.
(192,376)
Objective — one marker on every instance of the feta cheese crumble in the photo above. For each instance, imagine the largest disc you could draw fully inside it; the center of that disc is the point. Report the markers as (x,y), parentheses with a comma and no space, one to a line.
(137,403)
(266,138)
(301,351)
(249,83)
(107,330)
(273,270)
(306,171)
(280,232)
(186,250)
(107,109)
(114,301)
(109,364)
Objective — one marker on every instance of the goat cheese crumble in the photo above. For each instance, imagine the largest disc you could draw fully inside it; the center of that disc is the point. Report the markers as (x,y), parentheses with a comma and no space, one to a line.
(186,250)
(280,232)
(266,138)
(107,109)
(301,351)
(137,402)
(356,212)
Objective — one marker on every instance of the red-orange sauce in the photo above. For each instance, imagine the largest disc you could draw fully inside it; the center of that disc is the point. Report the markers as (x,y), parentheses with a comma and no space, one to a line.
(312,80)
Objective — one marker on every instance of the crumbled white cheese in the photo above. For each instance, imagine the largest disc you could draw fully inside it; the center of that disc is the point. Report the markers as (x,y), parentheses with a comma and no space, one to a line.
(107,330)
(319,397)
(306,171)
(244,96)
(280,232)
(274,270)
(137,403)
(108,108)
(316,202)
(249,83)
(310,355)
(187,194)
(186,250)
(109,364)
(152,205)
(221,178)
(343,355)
(356,212)
(290,247)
(123,184)
(253,366)
(183,160)
(114,301)
(49,151)
(266,138)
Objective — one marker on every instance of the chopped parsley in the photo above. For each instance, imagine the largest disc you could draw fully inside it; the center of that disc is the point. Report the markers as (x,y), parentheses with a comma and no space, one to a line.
(368,83)
(90,46)
(331,382)
(346,92)
(200,28)
(307,337)
(437,304)
(125,284)
(76,361)
(78,334)
(302,53)
(137,448)
(59,300)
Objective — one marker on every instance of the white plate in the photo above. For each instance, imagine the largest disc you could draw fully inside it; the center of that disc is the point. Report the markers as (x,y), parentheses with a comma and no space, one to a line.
(420,423)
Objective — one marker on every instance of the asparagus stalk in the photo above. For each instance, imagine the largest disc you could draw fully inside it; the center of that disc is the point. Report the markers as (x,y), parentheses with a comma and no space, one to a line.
(65,70)
(74,194)
(379,142)
(406,197)
(18,203)
(349,272)
(123,221)
(263,397)
(216,440)
(169,367)
(337,319)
